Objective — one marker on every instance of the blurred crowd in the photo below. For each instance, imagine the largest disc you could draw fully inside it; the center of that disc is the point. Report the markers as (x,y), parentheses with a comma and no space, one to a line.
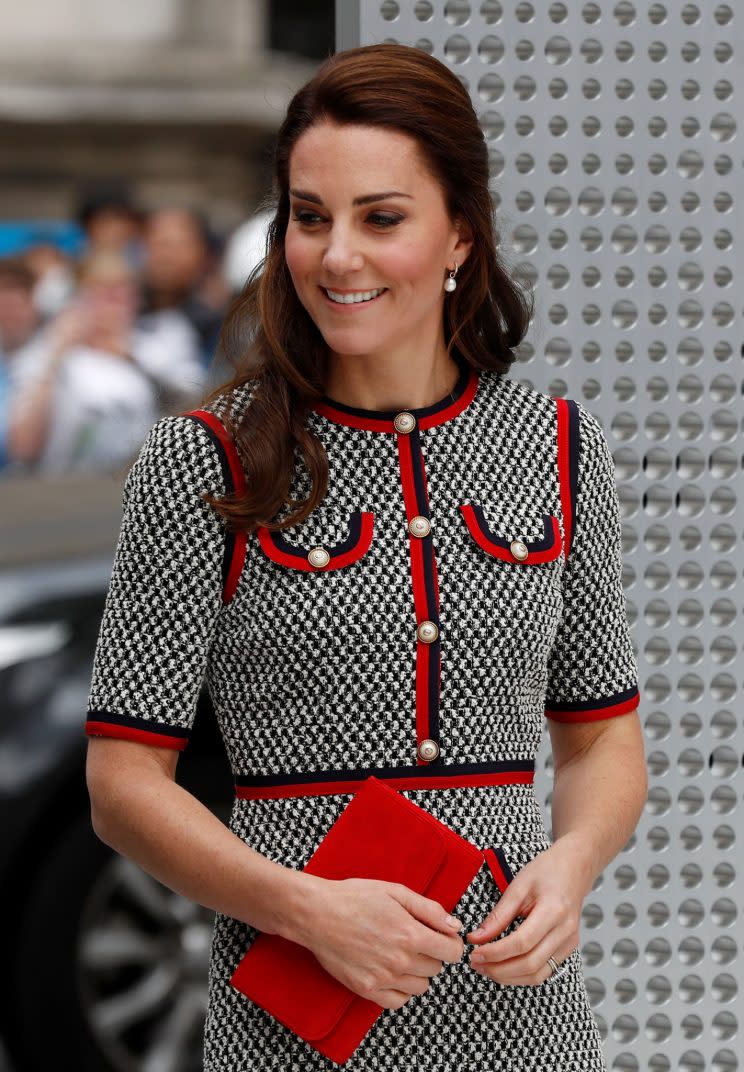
(95,347)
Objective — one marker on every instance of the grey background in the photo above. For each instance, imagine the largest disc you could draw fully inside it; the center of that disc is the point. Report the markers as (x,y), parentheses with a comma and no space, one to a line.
(612,129)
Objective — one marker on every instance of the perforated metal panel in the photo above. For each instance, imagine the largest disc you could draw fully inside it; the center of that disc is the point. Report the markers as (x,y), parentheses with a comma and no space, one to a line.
(612,132)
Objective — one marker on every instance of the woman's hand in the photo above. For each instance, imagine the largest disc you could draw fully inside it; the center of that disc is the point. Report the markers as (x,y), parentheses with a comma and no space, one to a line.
(380,939)
(548,893)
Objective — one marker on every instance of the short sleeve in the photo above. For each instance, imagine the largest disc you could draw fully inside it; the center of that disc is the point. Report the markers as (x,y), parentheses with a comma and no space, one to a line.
(165,593)
(592,669)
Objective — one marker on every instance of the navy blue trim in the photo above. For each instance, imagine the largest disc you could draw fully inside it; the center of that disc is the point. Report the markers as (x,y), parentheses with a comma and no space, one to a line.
(590,705)
(357,774)
(501,857)
(101,715)
(351,540)
(422,411)
(546,541)
(574,450)
(229,546)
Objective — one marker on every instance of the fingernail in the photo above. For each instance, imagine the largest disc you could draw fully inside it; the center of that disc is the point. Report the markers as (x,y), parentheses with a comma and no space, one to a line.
(476,958)
(479,930)
(454,922)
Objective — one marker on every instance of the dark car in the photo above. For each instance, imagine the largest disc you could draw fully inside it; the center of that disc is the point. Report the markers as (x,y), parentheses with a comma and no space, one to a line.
(104,968)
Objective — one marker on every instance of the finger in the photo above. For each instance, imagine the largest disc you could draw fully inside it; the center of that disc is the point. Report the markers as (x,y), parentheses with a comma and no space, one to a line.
(507,951)
(498,919)
(440,946)
(519,972)
(427,910)
(390,999)
(421,964)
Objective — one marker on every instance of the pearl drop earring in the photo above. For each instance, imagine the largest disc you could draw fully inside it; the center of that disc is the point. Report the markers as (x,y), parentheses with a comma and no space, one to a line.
(450,283)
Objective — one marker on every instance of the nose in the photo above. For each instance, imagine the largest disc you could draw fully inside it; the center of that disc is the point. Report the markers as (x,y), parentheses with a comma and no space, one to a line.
(341,255)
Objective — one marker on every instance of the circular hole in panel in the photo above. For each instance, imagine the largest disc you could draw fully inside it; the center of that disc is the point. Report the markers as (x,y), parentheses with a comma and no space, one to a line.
(691,875)
(657,726)
(692,1026)
(557,49)
(557,238)
(723,612)
(658,990)
(690,724)
(658,952)
(457,12)
(491,87)
(457,49)
(724,949)
(524,87)
(723,800)
(558,88)
(690,650)
(690,613)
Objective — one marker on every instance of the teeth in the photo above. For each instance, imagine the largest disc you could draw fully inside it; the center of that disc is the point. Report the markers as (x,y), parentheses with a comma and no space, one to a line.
(348,299)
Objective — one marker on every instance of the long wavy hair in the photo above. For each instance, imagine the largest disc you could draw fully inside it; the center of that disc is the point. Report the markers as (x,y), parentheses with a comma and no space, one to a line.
(269,337)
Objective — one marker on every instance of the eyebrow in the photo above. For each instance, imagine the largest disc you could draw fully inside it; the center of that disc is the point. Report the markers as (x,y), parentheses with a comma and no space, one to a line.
(367,199)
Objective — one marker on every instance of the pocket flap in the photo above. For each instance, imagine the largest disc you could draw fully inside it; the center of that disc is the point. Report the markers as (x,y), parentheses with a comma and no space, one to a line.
(513,547)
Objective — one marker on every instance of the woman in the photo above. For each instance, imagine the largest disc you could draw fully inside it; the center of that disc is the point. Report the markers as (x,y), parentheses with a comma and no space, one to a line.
(447,572)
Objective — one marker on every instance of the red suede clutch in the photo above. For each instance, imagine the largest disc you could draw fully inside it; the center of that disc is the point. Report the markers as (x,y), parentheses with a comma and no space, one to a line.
(379,835)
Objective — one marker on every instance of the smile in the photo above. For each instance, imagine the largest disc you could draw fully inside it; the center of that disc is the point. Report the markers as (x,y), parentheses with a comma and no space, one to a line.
(355,299)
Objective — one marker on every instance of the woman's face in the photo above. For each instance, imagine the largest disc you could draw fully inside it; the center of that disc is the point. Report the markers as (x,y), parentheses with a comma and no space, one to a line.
(403,242)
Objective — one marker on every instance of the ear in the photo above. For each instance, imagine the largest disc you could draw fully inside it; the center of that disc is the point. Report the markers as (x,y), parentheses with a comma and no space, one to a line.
(464,245)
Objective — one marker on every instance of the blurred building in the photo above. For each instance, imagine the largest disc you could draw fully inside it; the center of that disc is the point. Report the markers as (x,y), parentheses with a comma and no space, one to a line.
(180,98)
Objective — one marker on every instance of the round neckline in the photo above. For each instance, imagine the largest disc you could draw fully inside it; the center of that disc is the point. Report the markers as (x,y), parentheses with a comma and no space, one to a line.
(382,420)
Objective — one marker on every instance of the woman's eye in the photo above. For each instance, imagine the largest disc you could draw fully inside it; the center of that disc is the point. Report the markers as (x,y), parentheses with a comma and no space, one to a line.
(380,219)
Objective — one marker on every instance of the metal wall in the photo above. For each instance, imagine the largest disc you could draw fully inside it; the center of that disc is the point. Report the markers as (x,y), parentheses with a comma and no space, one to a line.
(612,129)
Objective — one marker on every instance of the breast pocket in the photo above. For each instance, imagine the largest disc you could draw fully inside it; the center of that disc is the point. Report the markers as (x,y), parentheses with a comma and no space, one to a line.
(524,541)
(330,541)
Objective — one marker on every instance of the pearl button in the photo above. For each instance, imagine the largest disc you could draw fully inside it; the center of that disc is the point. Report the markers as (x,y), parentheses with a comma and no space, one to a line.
(518,549)
(427,632)
(404,422)
(428,750)
(419,525)
(318,557)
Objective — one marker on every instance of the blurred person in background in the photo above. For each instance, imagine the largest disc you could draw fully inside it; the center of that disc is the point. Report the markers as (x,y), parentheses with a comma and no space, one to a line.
(86,391)
(19,320)
(112,222)
(182,271)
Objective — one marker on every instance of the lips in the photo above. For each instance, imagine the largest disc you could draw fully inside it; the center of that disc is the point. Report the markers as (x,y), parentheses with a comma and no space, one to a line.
(353,305)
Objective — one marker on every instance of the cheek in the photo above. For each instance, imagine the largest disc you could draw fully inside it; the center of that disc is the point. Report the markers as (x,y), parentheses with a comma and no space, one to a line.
(299,255)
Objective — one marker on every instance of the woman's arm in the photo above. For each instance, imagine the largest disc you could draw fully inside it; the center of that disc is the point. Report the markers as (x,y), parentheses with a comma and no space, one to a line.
(382,940)
(599,789)
(141,812)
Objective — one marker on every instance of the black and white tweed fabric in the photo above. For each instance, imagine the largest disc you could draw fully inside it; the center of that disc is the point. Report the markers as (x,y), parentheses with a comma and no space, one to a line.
(316,671)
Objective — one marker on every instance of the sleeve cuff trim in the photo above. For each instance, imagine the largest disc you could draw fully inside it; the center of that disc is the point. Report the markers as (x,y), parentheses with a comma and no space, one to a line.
(110,724)
(600,707)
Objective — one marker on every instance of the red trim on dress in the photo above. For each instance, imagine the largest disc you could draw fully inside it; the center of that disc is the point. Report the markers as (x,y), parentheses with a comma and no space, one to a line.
(562,436)
(128,733)
(591,714)
(240,539)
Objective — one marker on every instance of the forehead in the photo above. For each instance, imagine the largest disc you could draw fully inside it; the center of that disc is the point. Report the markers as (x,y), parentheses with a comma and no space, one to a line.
(332,157)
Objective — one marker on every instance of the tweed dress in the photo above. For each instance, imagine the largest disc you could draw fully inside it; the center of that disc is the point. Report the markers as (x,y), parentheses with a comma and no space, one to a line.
(460,582)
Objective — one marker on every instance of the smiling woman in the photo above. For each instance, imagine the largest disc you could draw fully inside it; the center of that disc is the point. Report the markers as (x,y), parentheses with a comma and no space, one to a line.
(392,562)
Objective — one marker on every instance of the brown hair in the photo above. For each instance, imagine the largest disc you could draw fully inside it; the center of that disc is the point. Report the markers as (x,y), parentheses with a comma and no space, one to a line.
(268,335)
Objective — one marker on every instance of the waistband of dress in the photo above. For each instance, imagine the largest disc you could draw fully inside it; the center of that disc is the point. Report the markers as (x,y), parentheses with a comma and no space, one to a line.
(431,776)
